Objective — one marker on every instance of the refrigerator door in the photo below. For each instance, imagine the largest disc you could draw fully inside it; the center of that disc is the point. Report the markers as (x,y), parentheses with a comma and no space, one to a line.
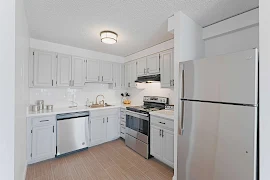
(218,142)
(231,78)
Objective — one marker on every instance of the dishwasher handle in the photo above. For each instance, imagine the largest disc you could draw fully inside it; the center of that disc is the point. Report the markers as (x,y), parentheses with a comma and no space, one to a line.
(72,115)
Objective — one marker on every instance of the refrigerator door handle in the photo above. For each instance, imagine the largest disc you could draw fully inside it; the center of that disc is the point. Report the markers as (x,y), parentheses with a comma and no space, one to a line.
(181,121)
(183,81)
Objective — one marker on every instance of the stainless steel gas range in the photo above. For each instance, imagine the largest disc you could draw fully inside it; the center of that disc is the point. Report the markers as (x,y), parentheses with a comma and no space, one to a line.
(138,124)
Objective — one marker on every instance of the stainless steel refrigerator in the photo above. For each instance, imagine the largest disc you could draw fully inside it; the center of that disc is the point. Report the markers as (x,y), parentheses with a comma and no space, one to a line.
(217,135)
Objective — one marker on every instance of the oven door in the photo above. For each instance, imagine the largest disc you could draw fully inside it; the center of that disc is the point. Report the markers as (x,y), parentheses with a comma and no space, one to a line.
(137,122)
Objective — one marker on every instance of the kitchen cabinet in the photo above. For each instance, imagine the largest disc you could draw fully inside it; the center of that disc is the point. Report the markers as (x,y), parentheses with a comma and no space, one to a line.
(123,83)
(117,72)
(92,70)
(153,66)
(70,71)
(41,139)
(167,69)
(44,69)
(78,71)
(106,72)
(97,131)
(149,65)
(64,64)
(113,127)
(156,142)
(104,126)
(131,74)
(142,66)
(123,123)
(162,140)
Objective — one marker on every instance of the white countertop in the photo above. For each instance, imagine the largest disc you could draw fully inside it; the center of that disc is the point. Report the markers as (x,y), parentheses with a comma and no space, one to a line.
(168,114)
(70,110)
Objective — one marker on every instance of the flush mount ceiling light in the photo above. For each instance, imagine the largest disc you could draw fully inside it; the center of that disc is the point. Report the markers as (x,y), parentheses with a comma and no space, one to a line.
(108,37)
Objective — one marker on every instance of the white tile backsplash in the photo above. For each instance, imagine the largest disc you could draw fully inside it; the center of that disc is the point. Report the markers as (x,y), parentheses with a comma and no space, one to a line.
(61,97)
(150,89)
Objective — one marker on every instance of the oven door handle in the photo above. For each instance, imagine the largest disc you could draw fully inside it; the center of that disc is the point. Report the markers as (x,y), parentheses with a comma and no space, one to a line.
(137,115)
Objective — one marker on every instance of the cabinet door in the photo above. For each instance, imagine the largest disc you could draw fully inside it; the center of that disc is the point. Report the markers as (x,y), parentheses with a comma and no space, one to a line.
(113,127)
(63,70)
(127,74)
(156,142)
(98,130)
(153,64)
(43,142)
(141,66)
(78,71)
(133,74)
(123,77)
(44,68)
(107,72)
(116,76)
(166,60)
(168,147)
(92,70)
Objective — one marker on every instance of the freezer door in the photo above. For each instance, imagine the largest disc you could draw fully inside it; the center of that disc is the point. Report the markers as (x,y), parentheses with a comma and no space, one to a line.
(218,142)
(72,134)
(231,78)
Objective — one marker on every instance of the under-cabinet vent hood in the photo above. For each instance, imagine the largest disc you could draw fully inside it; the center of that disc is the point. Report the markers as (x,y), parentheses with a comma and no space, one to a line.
(148,79)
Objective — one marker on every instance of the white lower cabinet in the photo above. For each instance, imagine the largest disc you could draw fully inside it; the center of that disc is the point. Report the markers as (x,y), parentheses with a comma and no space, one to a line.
(41,139)
(123,123)
(104,126)
(162,144)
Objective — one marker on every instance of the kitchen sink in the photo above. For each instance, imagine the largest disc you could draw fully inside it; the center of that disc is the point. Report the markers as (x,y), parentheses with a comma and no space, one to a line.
(100,105)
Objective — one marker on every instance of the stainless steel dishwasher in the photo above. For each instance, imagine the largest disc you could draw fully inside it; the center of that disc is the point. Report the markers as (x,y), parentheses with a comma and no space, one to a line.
(72,132)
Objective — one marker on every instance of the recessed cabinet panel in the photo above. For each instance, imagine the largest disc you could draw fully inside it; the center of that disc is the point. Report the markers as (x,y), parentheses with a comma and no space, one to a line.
(156,142)
(142,67)
(168,147)
(166,68)
(107,72)
(78,71)
(117,76)
(92,70)
(133,74)
(98,130)
(44,68)
(123,77)
(153,64)
(113,127)
(63,70)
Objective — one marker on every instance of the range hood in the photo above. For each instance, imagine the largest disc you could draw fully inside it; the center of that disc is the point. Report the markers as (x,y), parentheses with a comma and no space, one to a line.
(148,79)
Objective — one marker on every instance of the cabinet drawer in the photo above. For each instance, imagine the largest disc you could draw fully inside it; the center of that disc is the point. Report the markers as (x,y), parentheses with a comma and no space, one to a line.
(123,129)
(161,122)
(41,121)
(104,112)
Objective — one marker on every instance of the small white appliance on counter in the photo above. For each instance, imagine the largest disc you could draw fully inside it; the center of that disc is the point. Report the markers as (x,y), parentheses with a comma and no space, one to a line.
(218,118)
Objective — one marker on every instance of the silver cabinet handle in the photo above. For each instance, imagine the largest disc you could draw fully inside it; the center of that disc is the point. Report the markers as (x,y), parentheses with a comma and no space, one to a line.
(52,82)
(162,123)
(160,132)
(103,120)
(107,119)
(102,78)
(44,121)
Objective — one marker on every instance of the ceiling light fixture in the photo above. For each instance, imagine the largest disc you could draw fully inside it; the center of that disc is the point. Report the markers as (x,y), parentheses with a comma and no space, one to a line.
(108,37)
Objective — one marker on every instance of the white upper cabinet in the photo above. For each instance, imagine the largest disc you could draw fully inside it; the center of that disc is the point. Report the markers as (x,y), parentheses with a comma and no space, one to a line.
(166,68)
(106,70)
(123,76)
(63,70)
(78,71)
(141,66)
(127,75)
(133,75)
(117,71)
(149,65)
(153,64)
(44,64)
(92,70)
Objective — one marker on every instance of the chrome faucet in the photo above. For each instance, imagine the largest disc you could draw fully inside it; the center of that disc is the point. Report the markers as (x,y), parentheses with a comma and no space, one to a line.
(102,100)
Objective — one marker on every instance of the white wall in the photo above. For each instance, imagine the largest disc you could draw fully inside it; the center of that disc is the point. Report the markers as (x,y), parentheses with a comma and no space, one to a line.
(150,89)
(21,89)
(264,120)
(7,90)
(152,50)
(239,40)
(61,97)
(188,45)
(59,48)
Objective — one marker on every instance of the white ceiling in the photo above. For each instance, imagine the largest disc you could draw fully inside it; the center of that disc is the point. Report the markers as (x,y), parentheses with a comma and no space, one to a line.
(139,23)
